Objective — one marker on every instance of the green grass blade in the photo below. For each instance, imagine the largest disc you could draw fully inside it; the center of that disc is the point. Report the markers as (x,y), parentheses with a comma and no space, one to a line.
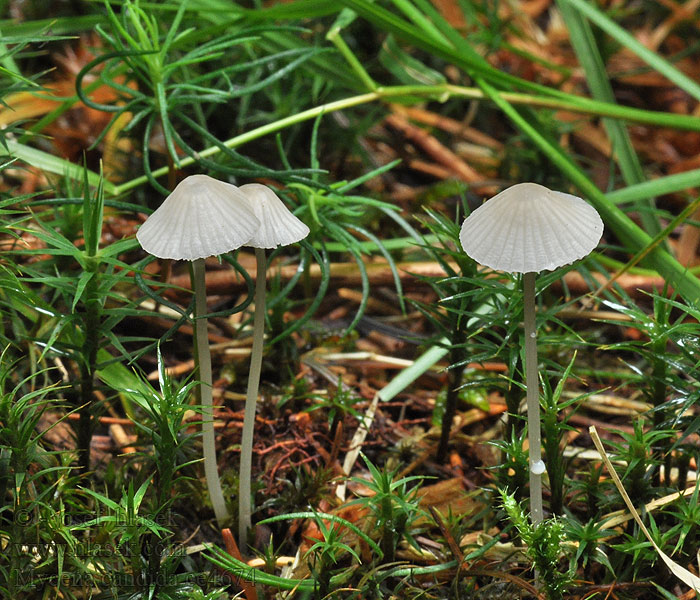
(590,59)
(462,55)
(656,187)
(57,26)
(655,61)
(53,164)
(408,375)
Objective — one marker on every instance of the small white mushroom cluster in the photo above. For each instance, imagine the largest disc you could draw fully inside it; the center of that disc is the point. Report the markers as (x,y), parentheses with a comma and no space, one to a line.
(525,229)
(205,217)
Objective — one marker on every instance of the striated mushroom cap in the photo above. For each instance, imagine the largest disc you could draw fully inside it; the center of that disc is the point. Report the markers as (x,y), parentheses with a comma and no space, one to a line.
(279,227)
(530,228)
(201,217)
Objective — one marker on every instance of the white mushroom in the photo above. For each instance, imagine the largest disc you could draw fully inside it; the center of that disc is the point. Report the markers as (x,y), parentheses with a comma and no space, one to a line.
(528,228)
(279,227)
(201,217)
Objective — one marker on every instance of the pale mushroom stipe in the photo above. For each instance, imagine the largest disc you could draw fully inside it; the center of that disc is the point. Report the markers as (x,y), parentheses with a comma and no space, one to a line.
(525,229)
(279,227)
(201,217)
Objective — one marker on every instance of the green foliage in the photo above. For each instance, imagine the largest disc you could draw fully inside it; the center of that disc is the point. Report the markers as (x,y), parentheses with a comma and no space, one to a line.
(685,514)
(637,457)
(214,80)
(79,282)
(141,523)
(336,218)
(588,490)
(555,417)
(39,498)
(161,420)
(668,363)
(544,547)
(393,506)
(325,555)
(303,488)
(465,318)
(589,544)
(512,474)
(636,557)
(327,552)
(337,405)
(176,78)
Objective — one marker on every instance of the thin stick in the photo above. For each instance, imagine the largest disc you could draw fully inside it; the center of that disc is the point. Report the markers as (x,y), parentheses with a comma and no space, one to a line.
(356,443)
(211,472)
(532,385)
(244,493)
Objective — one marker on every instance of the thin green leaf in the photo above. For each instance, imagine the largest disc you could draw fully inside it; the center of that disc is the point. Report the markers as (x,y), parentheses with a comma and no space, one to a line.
(53,164)
(655,61)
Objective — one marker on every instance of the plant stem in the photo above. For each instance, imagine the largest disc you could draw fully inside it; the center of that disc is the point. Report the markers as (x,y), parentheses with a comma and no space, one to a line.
(334,36)
(533,396)
(574,103)
(91,325)
(251,400)
(211,471)
(449,415)
(388,541)
(454,380)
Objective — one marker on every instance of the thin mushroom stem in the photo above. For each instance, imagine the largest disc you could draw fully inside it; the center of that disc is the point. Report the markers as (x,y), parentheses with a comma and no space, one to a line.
(533,398)
(244,494)
(211,471)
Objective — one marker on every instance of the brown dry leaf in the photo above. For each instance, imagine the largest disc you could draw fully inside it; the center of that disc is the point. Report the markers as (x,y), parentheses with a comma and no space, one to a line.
(689,243)
(447,497)
(452,12)
(56,431)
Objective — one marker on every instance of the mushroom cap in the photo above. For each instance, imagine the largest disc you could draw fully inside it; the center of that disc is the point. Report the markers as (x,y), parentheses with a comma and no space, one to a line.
(201,217)
(530,228)
(279,227)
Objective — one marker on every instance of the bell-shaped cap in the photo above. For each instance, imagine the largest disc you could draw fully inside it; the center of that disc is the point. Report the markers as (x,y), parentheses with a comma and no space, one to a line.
(529,228)
(279,227)
(201,217)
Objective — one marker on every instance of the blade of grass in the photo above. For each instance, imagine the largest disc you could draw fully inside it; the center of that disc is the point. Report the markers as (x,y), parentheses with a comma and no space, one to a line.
(621,36)
(300,9)
(459,52)
(408,375)
(337,40)
(590,59)
(658,239)
(656,187)
(53,164)
(57,26)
